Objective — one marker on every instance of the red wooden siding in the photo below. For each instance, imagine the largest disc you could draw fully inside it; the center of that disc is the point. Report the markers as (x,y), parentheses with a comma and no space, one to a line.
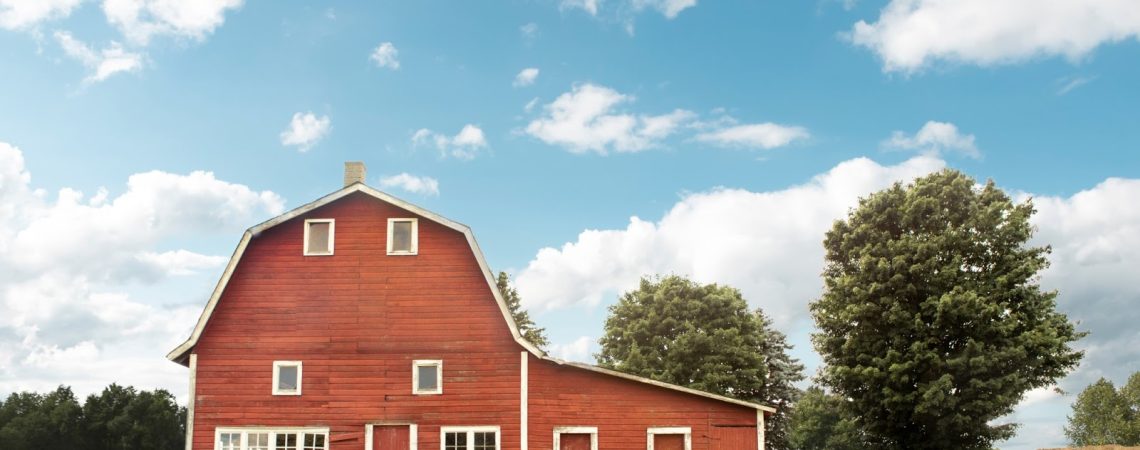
(390,437)
(668,442)
(733,438)
(621,409)
(359,318)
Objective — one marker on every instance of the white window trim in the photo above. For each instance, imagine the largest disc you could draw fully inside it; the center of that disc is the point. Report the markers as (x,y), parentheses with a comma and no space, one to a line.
(413,433)
(273,431)
(687,431)
(415,236)
(277,365)
(332,236)
(416,364)
(592,431)
(470,435)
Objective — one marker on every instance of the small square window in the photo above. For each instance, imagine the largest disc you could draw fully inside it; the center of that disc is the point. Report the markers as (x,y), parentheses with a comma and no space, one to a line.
(403,236)
(427,376)
(319,235)
(287,378)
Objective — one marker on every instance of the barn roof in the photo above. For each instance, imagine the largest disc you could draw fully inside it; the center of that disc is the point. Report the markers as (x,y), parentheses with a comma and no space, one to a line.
(181,353)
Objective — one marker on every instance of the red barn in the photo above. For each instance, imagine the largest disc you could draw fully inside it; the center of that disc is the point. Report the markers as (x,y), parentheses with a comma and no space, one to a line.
(362,320)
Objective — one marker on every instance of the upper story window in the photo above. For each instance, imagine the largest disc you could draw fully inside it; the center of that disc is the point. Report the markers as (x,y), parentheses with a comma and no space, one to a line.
(319,235)
(469,438)
(403,236)
(427,376)
(286,377)
(281,438)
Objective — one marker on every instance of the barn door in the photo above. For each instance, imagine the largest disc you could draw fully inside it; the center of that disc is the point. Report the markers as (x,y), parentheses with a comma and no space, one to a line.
(391,437)
(574,441)
(733,438)
(668,442)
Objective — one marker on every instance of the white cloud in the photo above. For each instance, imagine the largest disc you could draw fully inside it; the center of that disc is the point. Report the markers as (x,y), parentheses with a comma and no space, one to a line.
(526,77)
(935,138)
(110,61)
(385,55)
(765,243)
(141,20)
(305,130)
(26,14)
(585,120)
(590,6)
(67,265)
(577,350)
(464,145)
(912,34)
(756,135)
(412,183)
(1070,83)
(668,8)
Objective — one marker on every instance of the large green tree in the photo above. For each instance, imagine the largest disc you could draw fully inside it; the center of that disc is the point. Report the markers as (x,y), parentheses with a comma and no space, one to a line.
(1103,415)
(823,421)
(931,320)
(702,336)
(529,330)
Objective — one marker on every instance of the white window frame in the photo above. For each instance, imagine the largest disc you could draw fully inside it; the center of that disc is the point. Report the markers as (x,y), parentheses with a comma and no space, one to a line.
(470,435)
(438,364)
(592,431)
(652,431)
(277,365)
(272,431)
(415,236)
(332,236)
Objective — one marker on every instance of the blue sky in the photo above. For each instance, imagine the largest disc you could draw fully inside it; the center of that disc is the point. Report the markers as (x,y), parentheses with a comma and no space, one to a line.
(586,142)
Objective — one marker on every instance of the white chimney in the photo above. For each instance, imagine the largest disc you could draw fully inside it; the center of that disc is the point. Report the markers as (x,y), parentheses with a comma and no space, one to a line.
(354,172)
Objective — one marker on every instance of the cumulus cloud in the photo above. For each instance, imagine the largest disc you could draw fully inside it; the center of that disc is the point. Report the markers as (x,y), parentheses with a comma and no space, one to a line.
(912,34)
(25,14)
(577,350)
(935,138)
(526,77)
(765,243)
(766,135)
(587,119)
(141,20)
(68,264)
(464,145)
(412,183)
(103,64)
(305,130)
(385,55)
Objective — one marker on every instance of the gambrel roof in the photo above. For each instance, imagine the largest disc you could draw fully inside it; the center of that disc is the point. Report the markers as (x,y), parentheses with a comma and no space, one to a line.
(181,353)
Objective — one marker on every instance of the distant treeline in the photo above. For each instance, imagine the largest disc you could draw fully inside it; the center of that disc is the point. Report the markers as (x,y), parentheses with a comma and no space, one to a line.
(119,418)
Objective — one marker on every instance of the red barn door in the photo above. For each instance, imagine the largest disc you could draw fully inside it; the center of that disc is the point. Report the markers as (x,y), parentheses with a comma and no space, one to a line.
(668,442)
(390,437)
(733,438)
(574,441)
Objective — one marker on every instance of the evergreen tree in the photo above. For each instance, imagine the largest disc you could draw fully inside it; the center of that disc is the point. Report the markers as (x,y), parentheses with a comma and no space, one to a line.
(529,330)
(931,321)
(703,337)
(823,421)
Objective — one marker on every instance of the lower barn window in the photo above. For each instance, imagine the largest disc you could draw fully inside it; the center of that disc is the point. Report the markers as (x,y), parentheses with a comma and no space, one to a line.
(271,439)
(469,438)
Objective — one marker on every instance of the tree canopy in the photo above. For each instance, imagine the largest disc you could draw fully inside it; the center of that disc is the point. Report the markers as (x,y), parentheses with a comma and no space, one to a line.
(529,330)
(1104,415)
(932,322)
(117,419)
(823,421)
(704,337)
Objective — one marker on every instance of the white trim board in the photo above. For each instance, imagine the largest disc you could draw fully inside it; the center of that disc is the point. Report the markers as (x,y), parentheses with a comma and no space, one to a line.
(180,353)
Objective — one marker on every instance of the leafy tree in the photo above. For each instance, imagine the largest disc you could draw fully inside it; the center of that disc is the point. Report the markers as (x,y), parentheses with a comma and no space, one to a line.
(529,330)
(1102,415)
(823,421)
(931,320)
(30,421)
(704,337)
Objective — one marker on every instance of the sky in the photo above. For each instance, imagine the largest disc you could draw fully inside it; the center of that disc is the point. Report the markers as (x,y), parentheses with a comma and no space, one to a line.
(588,143)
